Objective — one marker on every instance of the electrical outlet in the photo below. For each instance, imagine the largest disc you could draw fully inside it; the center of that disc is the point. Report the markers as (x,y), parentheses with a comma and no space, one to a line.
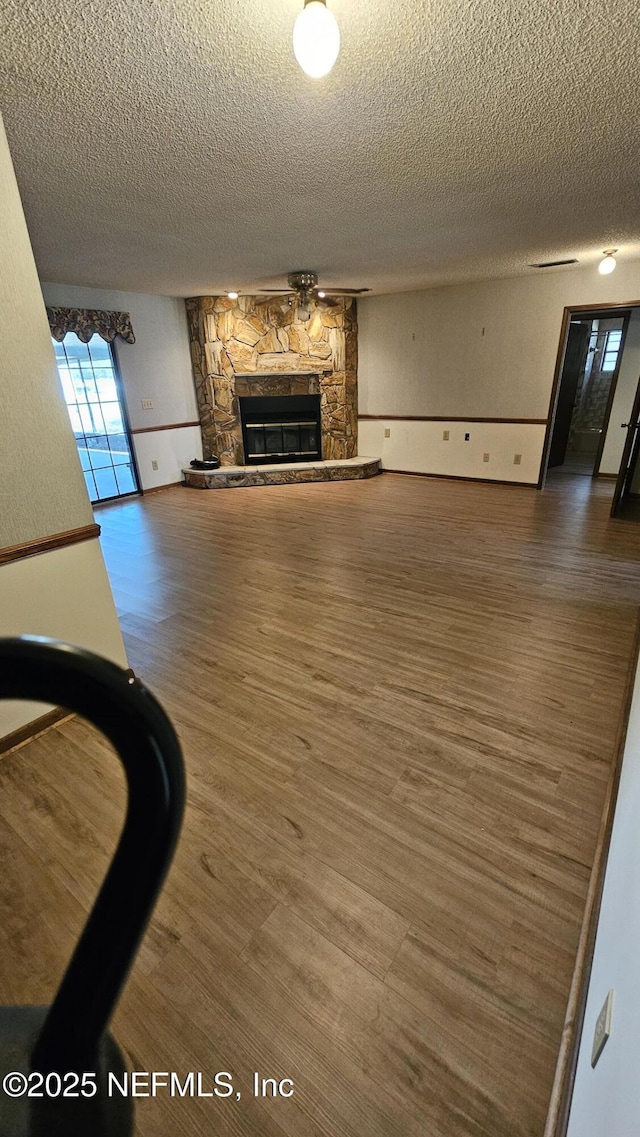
(467,437)
(445,436)
(602,1028)
(517,459)
(147,404)
(387,432)
(154,464)
(485,457)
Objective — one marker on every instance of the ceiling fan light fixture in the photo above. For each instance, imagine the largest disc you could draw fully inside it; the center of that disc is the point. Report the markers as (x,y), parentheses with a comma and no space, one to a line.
(303,313)
(322,295)
(316,39)
(608,262)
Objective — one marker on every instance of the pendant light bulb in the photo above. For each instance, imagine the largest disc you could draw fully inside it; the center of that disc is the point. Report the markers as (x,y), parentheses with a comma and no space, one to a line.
(316,39)
(608,262)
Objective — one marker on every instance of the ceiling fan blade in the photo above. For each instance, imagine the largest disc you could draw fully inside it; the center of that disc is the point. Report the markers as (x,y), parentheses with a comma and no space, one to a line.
(309,290)
(344,291)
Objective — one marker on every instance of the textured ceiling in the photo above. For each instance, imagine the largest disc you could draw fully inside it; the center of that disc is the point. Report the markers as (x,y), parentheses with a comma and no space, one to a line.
(174,146)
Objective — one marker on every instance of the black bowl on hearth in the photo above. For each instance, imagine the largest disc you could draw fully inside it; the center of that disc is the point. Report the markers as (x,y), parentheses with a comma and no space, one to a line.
(211,463)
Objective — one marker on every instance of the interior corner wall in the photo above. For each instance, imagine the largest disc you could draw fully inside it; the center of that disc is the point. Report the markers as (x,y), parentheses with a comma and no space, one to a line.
(605,1099)
(481,350)
(156,367)
(43,489)
(64,592)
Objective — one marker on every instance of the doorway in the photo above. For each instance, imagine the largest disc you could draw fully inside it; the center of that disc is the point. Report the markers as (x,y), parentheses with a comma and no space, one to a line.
(593,353)
(98,416)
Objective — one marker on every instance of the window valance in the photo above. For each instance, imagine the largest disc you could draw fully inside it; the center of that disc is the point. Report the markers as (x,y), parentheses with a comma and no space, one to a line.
(86,322)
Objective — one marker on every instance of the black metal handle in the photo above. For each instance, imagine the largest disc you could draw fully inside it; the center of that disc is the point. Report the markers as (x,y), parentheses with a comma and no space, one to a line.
(131,718)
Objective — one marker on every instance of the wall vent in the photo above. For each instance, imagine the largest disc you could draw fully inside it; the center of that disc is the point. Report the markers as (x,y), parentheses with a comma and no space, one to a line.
(555,264)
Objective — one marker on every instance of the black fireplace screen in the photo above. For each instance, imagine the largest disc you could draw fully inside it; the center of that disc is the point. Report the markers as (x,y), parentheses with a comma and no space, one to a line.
(281,428)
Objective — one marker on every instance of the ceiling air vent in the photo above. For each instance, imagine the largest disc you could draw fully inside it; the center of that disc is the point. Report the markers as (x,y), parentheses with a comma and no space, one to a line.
(555,264)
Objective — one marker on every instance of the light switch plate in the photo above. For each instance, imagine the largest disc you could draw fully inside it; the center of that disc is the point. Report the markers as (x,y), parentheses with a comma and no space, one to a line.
(387,432)
(445,436)
(147,404)
(602,1028)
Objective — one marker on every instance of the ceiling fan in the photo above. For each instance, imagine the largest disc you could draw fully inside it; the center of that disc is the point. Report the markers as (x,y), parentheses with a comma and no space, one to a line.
(304,293)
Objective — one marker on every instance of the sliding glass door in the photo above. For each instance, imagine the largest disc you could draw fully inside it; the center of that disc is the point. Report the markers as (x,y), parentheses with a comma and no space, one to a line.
(98,417)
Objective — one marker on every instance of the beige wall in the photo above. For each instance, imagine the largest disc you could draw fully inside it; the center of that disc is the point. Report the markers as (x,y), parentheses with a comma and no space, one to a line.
(157,367)
(43,490)
(486,349)
(64,593)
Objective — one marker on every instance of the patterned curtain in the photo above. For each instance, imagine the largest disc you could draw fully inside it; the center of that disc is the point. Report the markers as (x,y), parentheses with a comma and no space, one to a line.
(86,322)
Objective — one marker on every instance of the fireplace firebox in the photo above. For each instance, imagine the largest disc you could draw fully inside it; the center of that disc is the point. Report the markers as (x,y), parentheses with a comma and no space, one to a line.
(280,428)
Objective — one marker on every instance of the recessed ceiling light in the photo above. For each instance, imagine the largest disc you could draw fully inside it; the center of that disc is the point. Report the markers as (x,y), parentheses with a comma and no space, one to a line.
(316,39)
(232,295)
(608,262)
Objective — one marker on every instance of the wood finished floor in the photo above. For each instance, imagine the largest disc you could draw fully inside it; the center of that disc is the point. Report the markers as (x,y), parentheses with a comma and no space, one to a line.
(398,701)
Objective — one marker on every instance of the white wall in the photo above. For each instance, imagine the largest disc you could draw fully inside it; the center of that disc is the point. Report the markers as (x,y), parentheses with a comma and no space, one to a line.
(419,447)
(64,593)
(485,350)
(171,449)
(157,367)
(606,1100)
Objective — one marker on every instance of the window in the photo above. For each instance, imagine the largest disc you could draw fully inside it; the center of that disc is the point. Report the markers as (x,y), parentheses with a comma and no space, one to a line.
(90,384)
(611,349)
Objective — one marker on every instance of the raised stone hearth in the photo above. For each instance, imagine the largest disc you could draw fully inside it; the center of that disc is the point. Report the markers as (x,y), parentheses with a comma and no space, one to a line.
(231,477)
(254,346)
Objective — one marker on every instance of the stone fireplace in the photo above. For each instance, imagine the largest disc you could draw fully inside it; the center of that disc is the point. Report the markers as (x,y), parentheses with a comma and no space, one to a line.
(253,347)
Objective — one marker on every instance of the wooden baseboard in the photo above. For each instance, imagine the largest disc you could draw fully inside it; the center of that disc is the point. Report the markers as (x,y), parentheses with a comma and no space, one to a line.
(453,418)
(24,734)
(165,426)
(612,477)
(47,544)
(459,478)
(166,486)
(562,1092)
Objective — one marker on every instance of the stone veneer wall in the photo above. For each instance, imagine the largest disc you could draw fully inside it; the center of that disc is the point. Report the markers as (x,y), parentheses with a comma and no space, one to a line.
(254,346)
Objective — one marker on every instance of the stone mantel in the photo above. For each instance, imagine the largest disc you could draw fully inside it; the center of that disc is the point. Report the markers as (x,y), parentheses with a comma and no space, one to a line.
(255,346)
(278,374)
